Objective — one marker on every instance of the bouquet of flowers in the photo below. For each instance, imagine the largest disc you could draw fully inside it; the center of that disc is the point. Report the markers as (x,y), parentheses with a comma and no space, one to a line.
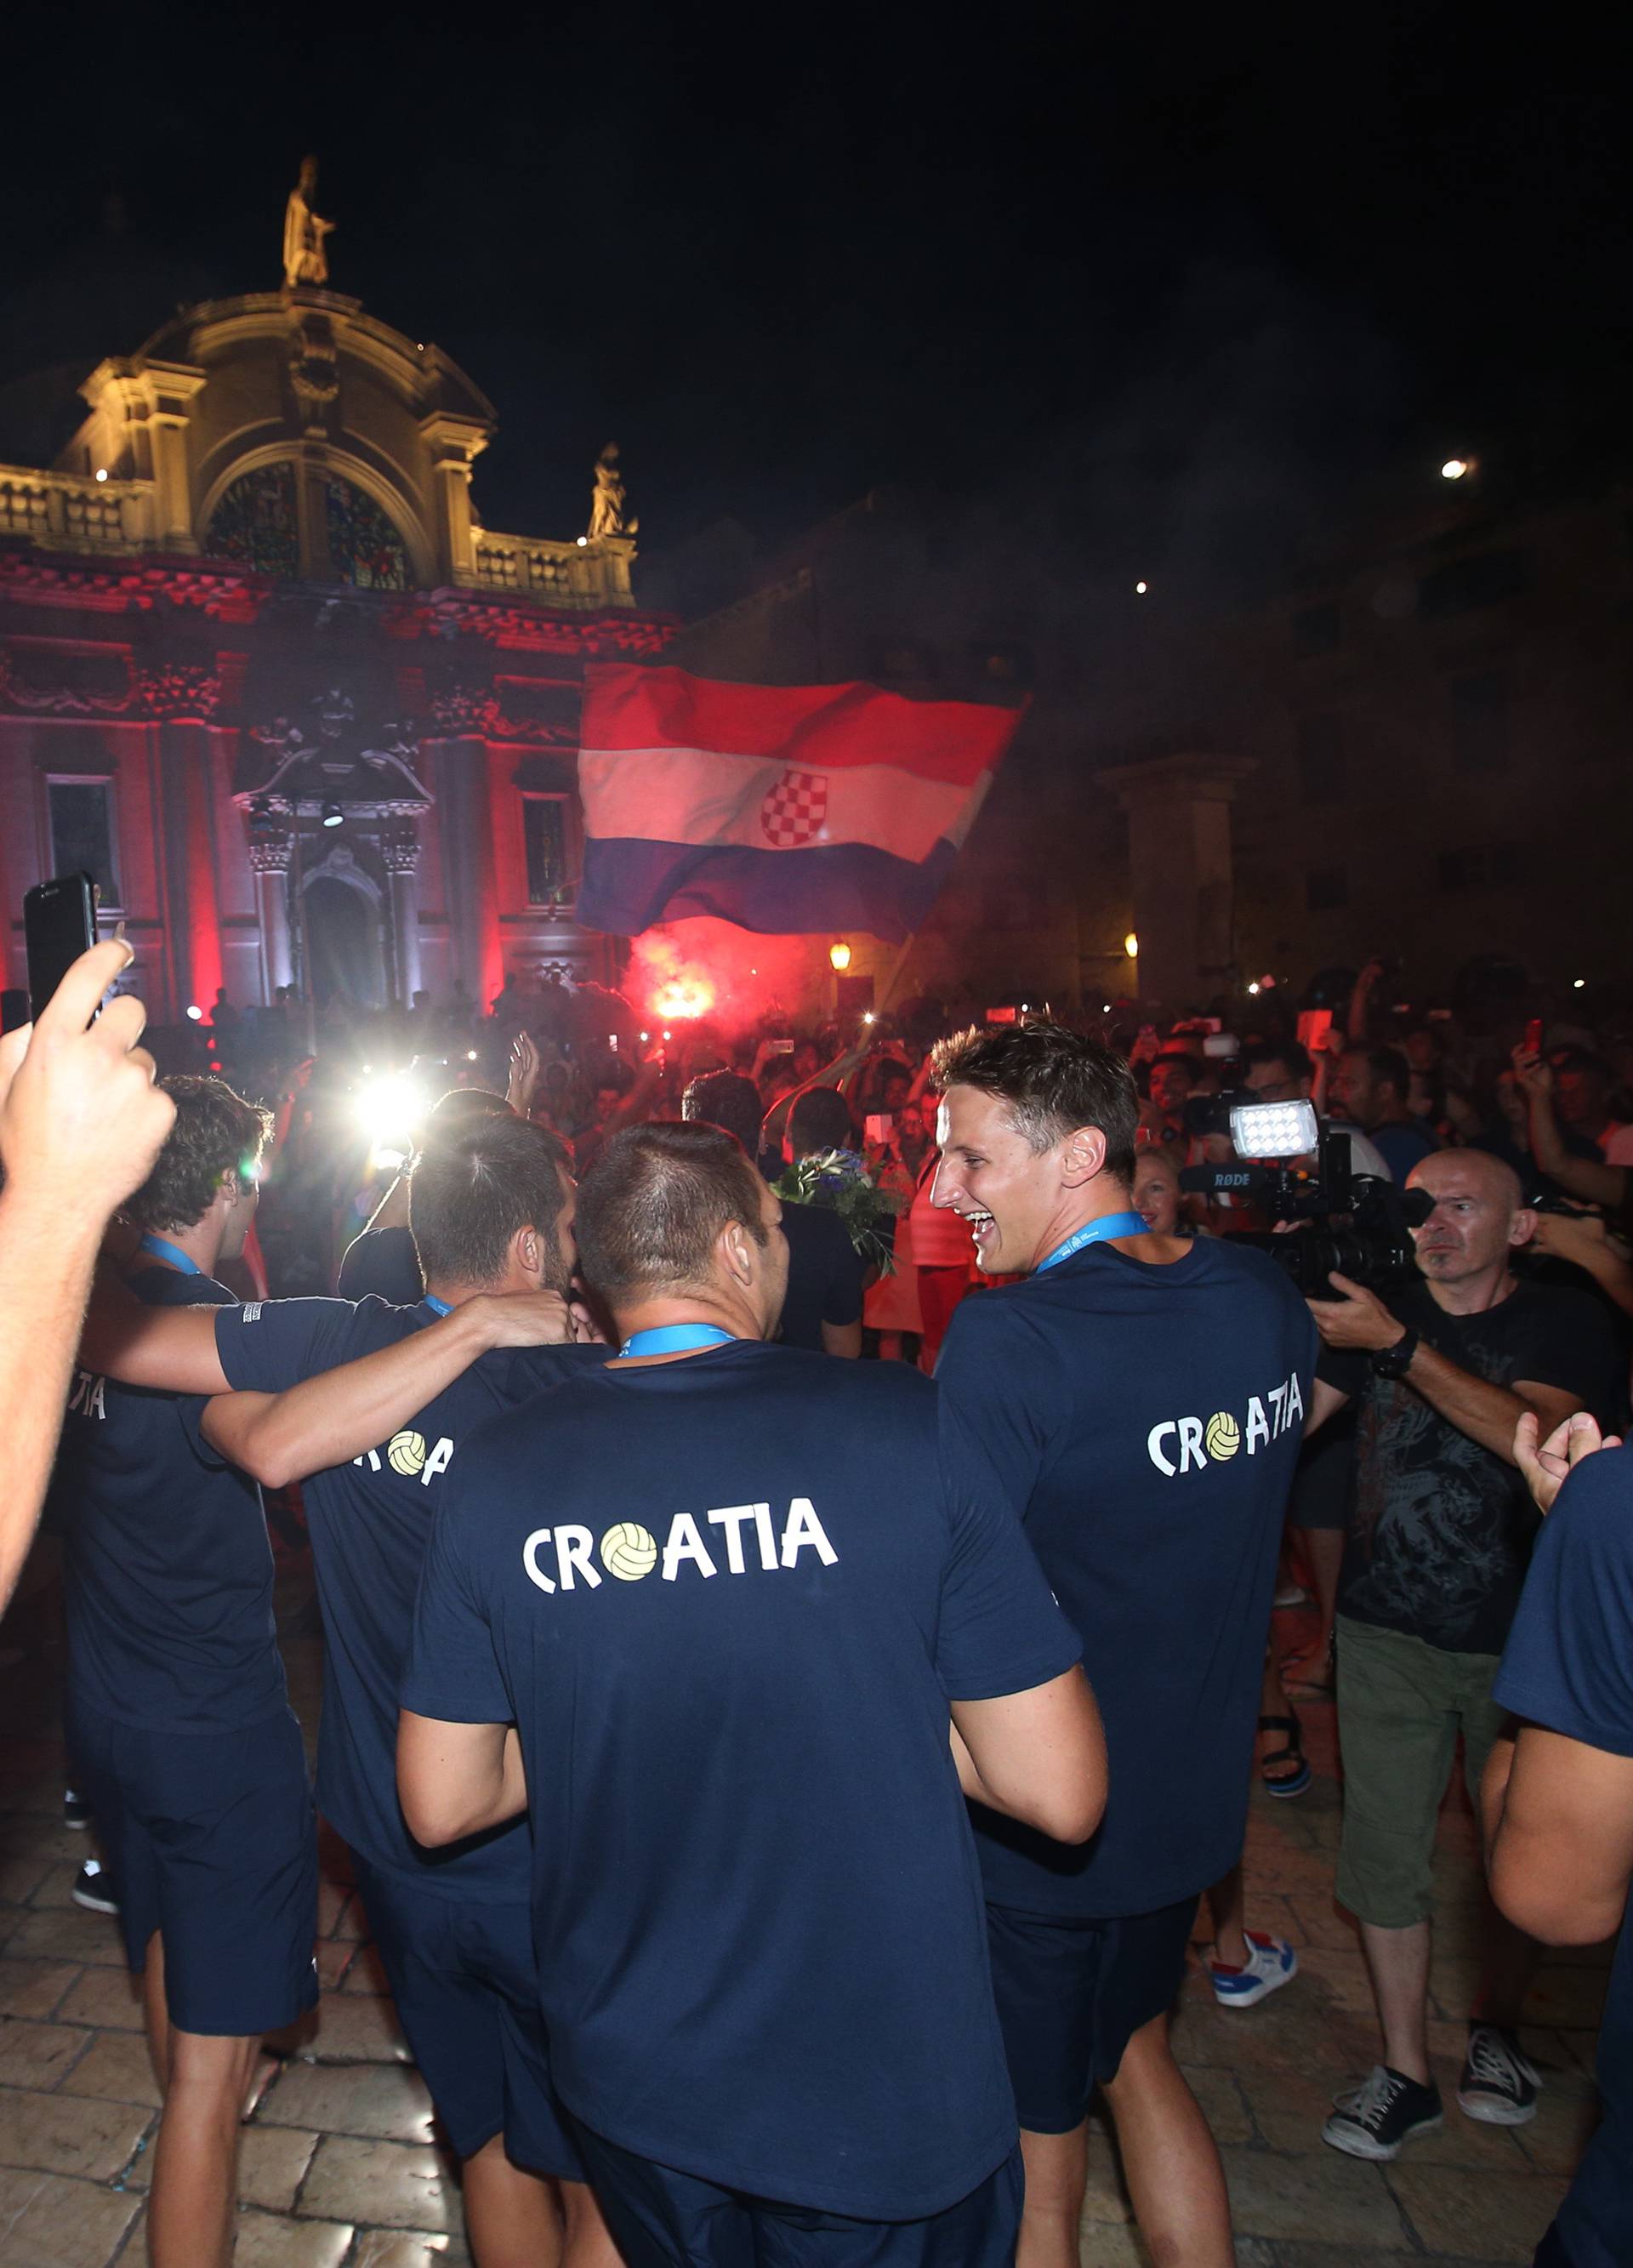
(839,1180)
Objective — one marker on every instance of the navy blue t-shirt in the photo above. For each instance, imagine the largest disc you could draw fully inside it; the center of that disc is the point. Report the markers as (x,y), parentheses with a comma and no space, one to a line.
(369,1522)
(1145,1422)
(382,1264)
(169,1571)
(726,1600)
(1569,1667)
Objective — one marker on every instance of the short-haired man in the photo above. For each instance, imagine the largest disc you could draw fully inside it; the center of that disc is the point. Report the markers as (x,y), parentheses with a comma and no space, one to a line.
(703,1614)
(491,1211)
(177,1720)
(1372,1087)
(823,1307)
(381,1262)
(1142,1397)
(1440,1537)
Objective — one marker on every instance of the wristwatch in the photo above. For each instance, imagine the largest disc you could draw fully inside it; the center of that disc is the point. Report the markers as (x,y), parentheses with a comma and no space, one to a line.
(1395,1361)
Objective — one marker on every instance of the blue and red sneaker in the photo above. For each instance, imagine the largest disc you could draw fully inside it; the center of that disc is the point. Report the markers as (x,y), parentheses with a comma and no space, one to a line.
(1271,1962)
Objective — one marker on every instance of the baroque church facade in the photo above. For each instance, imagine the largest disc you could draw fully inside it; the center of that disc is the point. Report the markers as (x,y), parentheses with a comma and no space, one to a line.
(266,675)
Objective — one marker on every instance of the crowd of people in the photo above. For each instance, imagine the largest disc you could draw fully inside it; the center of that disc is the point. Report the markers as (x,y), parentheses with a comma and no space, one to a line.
(781,1783)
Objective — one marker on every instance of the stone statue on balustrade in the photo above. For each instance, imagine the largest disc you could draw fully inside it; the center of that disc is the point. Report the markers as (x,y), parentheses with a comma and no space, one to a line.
(306,260)
(606,508)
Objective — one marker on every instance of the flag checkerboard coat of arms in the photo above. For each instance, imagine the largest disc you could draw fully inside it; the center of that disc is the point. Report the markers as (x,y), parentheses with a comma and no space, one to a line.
(796,810)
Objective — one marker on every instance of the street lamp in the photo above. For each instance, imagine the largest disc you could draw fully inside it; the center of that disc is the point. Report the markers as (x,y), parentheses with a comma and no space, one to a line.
(839,956)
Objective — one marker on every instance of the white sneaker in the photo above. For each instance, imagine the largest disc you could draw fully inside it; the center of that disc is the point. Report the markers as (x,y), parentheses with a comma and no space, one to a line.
(1271,1962)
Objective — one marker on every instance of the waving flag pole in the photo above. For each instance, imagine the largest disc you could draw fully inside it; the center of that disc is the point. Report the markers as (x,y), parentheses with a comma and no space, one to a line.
(785,809)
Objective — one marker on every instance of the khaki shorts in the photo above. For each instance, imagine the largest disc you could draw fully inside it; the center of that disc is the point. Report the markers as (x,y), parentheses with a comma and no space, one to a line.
(1402,1704)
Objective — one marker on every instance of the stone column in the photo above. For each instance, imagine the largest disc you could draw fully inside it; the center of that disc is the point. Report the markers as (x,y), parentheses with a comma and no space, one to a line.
(268,859)
(171,390)
(455,444)
(399,846)
(1179,811)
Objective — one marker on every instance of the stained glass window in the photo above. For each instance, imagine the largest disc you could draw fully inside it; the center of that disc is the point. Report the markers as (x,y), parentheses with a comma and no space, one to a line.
(365,549)
(544,835)
(256,523)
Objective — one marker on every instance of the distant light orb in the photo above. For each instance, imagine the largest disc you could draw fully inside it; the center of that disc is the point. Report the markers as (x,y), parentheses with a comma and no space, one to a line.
(868,1017)
(1578,983)
(195,1014)
(1454,468)
(839,954)
(583,542)
(470,1055)
(1105,1007)
(1141,589)
(101,471)
(1131,946)
(1253,988)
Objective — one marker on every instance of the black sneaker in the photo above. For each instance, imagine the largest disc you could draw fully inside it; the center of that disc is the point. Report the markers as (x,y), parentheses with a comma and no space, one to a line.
(93,1889)
(1498,2084)
(76,1810)
(1375,2119)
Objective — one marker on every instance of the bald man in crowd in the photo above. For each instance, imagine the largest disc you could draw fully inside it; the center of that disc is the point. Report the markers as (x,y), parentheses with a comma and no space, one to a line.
(1440,1534)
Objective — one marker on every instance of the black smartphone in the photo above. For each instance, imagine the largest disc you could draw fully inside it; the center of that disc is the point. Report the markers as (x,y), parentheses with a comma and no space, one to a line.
(59,923)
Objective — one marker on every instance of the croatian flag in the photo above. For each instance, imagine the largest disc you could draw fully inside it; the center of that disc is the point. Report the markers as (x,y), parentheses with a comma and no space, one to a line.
(784,809)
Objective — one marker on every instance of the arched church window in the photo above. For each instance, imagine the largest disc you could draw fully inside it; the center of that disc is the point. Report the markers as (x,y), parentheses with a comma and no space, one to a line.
(255,522)
(365,549)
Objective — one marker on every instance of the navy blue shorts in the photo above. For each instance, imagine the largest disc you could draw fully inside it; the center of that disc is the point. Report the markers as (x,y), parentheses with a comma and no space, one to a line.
(1072,1994)
(661,2219)
(466,1982)
(211,1840)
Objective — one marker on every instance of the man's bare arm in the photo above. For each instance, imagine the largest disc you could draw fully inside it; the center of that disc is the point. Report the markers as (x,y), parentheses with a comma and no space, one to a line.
(171,1348)
(455,1780)
(1038,1756)
(327,1420)
(1558,1817)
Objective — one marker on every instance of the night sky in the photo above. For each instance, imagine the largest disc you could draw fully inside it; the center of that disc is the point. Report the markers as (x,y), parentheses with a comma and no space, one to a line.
(1142,281)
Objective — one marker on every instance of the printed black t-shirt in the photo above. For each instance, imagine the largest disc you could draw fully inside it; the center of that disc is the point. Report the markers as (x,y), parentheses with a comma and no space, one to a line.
(1145,1422)
(1569,1667)
(1440,1528)
(726,1600)
(369,1522)
(169,1573)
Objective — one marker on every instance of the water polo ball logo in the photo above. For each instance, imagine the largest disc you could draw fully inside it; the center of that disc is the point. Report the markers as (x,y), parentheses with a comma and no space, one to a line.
(629,1551)
(796,810)
(405,1452)
(1223,1436)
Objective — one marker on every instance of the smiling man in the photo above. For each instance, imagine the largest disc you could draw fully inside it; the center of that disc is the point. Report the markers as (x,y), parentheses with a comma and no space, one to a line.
(1142,1397)
(1440,1535)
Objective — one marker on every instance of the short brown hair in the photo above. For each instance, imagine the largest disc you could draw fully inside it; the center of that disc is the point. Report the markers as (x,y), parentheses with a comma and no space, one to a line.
(217,1133)
(473,1187)
(1053,1080)
(655,1200)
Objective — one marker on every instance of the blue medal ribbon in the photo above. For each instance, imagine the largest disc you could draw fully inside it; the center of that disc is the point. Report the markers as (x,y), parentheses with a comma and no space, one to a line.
(438,1307)
(162,1249)
(1097,1232)
(675,1339)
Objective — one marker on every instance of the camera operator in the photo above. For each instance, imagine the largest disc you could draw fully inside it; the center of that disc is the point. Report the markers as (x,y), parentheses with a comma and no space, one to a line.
(1558,1791)
(1373,1088)
(1439,1535)
(1141,1397)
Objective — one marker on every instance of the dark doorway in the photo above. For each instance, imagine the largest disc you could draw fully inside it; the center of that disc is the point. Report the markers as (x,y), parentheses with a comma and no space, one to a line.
(344,941)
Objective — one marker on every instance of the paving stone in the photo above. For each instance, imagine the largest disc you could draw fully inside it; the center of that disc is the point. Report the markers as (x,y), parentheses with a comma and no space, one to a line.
(1566,2121)
(1277,2197)
(115,2065)
(38,2055)
(1483,2216)
(111,1998)
(1337,1975)
(1315,2254)
(272,2161)
(32,1988)
(387,2101)
(63,1933)
(49,2221)
(391,2248)
(20,1877)
(1104,2246)
(356,2027)
(268,2240)
(384,2185)
(334,1958)
(55,1887)
(67,2134)
(365,1974)
(1321,1921)
(1221,2100)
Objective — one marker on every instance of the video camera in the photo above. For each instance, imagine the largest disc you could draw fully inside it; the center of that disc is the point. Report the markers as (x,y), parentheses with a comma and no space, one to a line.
(1359,1224)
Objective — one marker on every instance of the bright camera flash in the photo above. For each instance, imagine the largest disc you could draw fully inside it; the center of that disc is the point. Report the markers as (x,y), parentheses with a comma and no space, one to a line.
(1273,1130)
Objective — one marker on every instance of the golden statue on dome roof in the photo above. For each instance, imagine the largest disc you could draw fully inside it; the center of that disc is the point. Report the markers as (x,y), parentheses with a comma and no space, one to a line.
(306,260)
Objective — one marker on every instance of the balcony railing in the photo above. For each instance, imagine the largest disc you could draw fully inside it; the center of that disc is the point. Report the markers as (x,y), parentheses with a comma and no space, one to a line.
(591,575)
(69,513)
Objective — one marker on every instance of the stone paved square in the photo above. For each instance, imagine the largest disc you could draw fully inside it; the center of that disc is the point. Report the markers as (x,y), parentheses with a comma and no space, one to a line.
(342,2166)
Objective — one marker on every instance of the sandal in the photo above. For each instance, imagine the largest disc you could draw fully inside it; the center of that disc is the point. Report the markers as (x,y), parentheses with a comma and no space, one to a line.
(1292,1783)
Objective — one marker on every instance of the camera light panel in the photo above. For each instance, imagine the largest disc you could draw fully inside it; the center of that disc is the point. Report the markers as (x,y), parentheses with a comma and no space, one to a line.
(1273,1130)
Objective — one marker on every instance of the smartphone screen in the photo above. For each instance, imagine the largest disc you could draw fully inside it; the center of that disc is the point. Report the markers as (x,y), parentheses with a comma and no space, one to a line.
(59,923)
(1533,1037)
(879,1126)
